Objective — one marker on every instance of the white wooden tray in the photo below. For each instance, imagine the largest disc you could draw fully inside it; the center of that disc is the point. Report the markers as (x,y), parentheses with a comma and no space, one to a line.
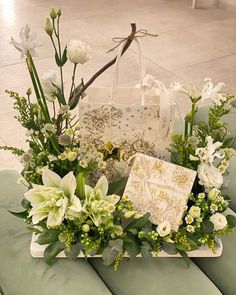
(37,251)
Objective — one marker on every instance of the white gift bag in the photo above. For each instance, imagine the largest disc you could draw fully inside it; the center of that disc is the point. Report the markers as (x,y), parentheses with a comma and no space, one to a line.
(136,119)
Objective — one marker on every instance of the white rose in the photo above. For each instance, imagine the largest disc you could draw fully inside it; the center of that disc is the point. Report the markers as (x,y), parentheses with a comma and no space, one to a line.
(219,221)
(213,194)
(48,79)
(78,52)
(209,176)
(195,211)
(164,228)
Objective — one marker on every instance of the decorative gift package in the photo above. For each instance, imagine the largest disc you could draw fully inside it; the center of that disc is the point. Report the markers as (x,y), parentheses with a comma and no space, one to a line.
(160,188)
(131,118)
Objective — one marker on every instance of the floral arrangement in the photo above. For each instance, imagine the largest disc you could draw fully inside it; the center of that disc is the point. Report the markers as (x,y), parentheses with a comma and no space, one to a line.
(67,212)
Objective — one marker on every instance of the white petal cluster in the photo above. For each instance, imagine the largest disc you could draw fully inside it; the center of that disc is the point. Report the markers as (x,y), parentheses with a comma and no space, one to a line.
(55,199)
(27,42)
(49,80)
(219,221)
(78,52)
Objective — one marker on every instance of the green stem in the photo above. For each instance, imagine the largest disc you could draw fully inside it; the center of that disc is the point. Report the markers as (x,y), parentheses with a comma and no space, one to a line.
(73,80)
(193,111)
(40,88)
(35,86)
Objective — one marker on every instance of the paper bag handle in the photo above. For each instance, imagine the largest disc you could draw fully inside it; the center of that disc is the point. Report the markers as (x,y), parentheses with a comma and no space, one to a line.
(114,89)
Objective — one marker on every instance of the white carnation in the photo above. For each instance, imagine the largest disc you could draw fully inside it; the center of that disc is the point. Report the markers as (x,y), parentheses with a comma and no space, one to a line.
(219,221)
(209,176)
(78,52)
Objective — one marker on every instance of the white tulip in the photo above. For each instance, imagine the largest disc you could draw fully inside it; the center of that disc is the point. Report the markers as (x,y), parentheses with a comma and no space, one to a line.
(195,211)
(164,228)
(213,194)
(219,221)
(78,52)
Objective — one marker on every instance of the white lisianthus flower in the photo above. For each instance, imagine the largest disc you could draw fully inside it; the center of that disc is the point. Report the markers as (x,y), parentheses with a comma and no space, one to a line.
(209,176)
(49,79)
(213,194)
(27,42)
(195,211)
(219,221)
(78,52)
(54,199)
(164,228)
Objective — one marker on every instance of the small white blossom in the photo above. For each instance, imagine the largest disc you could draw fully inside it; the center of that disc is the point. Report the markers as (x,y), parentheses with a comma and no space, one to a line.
(190,228)
(213,208)
(30,132)
(83,163)
(189,219)
(78,52)
(102,165)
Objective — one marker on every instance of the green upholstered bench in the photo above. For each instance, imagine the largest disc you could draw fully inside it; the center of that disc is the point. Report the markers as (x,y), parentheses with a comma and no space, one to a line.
(20,274)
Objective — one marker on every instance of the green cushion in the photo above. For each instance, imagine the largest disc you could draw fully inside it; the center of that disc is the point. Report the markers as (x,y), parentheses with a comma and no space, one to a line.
(222,270)
(164,276)
(20,274)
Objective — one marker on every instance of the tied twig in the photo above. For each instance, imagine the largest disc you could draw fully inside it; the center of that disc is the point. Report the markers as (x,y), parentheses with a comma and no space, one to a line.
(138,34)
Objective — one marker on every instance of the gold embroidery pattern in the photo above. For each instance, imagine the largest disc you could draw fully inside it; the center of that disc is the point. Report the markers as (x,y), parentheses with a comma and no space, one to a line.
(180,177)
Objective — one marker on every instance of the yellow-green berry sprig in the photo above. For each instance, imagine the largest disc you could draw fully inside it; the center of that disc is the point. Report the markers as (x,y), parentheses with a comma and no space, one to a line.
(118,259)
(211,245)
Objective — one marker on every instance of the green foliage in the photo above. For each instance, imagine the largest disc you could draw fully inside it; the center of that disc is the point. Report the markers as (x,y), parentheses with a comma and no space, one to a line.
(22,214)
(48,236)
(117,187)
(231,219)
(52,251)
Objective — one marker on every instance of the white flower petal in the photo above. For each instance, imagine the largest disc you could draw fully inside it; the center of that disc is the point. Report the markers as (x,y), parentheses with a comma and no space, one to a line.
(50,178)
(102,185)
(68,184)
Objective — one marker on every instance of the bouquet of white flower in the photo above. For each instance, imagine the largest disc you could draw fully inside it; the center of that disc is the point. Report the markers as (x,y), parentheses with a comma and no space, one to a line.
(68,211)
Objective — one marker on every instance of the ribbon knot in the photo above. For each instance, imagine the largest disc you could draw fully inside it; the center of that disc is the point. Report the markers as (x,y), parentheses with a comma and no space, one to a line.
(138,34)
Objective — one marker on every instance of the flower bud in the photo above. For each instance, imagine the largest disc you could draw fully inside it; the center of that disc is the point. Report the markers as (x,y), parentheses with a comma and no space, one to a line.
(213,194)
(29,91)
(48,27)
(59,12)
(86,228)
(53,13)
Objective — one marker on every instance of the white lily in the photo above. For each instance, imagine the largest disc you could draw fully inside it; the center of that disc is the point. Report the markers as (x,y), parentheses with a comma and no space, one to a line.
(27,42)
(97,204)
(211,92)
(208,153)
(55,199)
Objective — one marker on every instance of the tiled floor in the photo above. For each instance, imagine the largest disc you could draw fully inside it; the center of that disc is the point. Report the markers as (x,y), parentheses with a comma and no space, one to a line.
(192,45)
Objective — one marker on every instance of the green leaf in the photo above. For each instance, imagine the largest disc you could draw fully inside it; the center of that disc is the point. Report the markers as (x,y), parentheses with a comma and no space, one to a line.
(141,222)
(22,214)
(75,97)
(80,182)
(193,244)
(131,246)
(51,252)
(109,256)
(228,142)
(25,203)
(64,57)
(74,251)
(57,59)
(185,257)
(117,187)
(207,227)
(116,245)
(48,236)
(169,248)
(34,230)
(133,231)
(146,250)
(231,219)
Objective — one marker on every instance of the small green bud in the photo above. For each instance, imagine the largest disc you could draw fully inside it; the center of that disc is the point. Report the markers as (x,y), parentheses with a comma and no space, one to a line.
(59,12)
(48,27)
(53,13)
(29,91)
(86,228)
(219,124)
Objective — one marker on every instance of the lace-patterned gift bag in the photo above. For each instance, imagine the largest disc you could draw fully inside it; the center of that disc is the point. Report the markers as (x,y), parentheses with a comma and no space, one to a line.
(137,119)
